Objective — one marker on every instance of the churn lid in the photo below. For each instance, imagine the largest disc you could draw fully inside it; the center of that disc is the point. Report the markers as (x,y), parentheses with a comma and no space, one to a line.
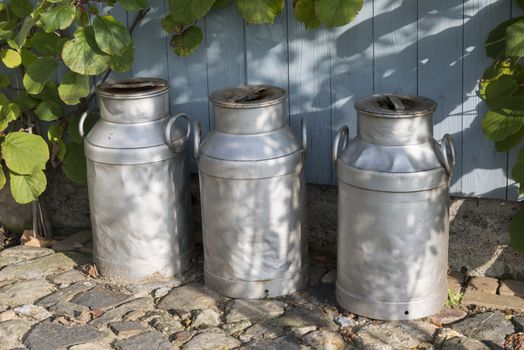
(395,105)
(132,88)
(249,96)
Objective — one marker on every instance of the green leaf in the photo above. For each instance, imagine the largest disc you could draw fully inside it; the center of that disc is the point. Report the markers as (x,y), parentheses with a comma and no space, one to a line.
(48,111)
(305,13)
(27,57)
(11,58)
(58,17)
(25,102)
(134,5)
(8,111)
(259,11)
(520,3)
(221,3)
(336,13)
(111,36)
(517,173)
(82,55)
(501,87)
(186,12)
(73,87)
(74,164)
(496,42)
(54,135)
(24,153)
(38,73)
(21,8)
(3,179)
(4,80)
(123,62)
(510,142)
(516,231)
(27,188)
(49,92)
(188,41)
(47,44)
(515,39)
(169,25)
(498,127)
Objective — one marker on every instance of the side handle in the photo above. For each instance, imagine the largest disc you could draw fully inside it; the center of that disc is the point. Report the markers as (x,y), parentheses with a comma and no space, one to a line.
(81,124)
(196,139)
(342,135)
(304,136)
(446,153)
(177,145)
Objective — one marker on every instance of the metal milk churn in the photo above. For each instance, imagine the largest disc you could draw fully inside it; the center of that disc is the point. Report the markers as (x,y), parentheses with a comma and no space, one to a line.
(393,210)
(139,193)
(252,189)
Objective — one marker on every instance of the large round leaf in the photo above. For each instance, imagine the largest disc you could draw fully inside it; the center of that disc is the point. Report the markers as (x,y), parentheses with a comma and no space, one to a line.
(74,165)
(58,17)
(82,55)
(305,13)
(111,36)
(21,8)
(122,63)
(186,12)
(187,42)
(47,44)
(515,39)
(27,188)
(496,42)
(2,177)
(11,58)
(24,153)
(259,11)
(73,87)
(336,13)
(497,126)
(133,5)
(510,142)
(38,73)
(48,111)
(518,169)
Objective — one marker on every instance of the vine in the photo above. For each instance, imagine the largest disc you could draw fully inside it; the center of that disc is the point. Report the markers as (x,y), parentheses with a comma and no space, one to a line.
(502,88)
(35,42)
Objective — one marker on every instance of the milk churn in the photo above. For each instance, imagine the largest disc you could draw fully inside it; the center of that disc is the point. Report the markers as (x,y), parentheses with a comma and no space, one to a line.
(393,210)
(252,189)
(139,194)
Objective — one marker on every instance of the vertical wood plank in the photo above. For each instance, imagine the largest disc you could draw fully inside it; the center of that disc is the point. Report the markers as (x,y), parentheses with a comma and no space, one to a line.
(225,43)
(483,168)
(352,70)
(440,70)
(150,40)
(267,53)
(189,90)
(395,42)
(513,187)
(310,93)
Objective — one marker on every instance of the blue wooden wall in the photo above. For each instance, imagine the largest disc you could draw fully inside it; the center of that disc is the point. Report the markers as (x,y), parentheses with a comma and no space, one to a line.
(426,47)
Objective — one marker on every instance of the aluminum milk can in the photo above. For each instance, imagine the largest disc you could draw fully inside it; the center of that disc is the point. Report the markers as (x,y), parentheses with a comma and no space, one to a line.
(252,190)
(139,194)
(393,210)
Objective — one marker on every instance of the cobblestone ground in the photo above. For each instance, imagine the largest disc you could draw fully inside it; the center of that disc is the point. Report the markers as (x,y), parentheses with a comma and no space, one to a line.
(49,300)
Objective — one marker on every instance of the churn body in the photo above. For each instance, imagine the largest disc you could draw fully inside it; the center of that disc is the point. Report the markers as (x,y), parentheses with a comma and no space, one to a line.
(393,210)
(139,194)
(252,187)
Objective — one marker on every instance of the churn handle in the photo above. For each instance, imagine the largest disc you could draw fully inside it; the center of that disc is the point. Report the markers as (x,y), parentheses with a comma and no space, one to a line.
(447,151)
(304,136)
(81,124)
(196,139)
(342,132)
(176,145)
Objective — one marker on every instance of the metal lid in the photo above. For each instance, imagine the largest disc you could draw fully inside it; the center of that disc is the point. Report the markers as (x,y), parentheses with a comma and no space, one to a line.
(396,106)
(249,96)
(132,88)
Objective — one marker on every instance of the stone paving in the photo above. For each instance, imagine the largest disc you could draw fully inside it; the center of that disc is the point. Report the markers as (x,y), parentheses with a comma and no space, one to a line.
(51,299)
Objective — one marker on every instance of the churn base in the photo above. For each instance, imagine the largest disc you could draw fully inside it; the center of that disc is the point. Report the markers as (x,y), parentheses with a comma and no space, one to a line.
(391,311)
(142,272)
(257,289)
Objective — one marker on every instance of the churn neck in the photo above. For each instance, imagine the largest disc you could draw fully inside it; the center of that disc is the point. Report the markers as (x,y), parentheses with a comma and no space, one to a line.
(133,100)
(249,109)
(395,120)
